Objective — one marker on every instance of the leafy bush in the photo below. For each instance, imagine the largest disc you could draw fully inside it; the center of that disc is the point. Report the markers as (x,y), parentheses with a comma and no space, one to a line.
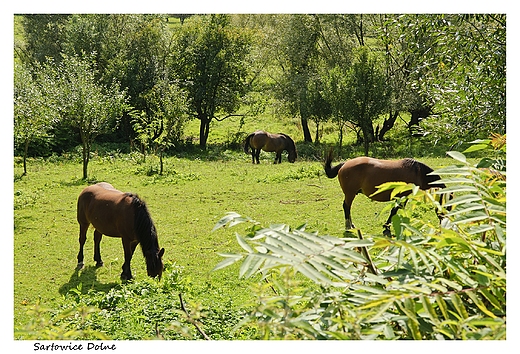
(431,281)
(142,309)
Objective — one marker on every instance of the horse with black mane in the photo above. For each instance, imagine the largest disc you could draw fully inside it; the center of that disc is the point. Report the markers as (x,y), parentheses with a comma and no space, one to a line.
(365,174)
(262,140)
(117,214)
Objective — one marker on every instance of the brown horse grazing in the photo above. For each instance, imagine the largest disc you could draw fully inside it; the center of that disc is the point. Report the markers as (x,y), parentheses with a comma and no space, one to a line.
(117,214)
(261,140)
(364,174)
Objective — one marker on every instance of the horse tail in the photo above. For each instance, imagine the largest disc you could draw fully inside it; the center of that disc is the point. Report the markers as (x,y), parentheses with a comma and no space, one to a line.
(331,172)
(247,143)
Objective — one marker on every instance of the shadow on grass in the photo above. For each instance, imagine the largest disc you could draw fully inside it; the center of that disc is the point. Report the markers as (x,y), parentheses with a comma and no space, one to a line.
(88,278)
(74,182)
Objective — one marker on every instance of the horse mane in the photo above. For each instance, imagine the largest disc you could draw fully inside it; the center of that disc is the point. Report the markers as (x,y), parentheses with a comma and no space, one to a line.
(144,226)
(292,143)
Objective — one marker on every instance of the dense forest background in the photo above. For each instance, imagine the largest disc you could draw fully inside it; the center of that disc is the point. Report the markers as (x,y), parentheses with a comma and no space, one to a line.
(138,79)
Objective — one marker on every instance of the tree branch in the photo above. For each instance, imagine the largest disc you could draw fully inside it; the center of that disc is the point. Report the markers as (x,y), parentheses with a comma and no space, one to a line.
(191,320)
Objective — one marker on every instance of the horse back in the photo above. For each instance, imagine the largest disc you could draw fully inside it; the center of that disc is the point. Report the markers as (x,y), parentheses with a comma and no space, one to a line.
(365,174)
(262,140)
(109,210)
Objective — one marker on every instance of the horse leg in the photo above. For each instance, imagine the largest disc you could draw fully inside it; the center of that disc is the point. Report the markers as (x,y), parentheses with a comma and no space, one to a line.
(97,253)
(253,155)
(347,203)
(386,226)
(129,248)
(278,158)
(82,238)
(257,156)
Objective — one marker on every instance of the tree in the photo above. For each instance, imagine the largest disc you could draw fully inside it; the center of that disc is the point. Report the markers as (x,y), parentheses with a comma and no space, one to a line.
(460,69)
(43,36)
(33,111)
(129,48)
(299,36)
(367,95)
(319,109)
(359,94)
(82,102)
(164,123)
(209,59)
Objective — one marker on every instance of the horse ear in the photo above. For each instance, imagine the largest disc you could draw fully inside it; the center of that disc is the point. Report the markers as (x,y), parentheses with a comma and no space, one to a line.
(161,252)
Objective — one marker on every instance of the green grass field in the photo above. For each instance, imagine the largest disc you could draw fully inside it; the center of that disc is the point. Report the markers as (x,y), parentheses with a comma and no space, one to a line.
(186,202)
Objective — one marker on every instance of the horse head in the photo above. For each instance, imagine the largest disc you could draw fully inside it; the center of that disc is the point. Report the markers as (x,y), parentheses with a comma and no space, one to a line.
(290,146)
(154,263)
(292,155)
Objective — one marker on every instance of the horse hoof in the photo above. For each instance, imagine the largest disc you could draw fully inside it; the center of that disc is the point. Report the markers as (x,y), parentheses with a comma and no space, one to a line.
(99,264)
(80,266)
(125,277)
(387,232)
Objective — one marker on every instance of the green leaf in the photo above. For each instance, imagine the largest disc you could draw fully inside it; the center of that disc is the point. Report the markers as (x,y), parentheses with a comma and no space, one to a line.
(457,156)
(456,301)
(486,322)
(428,308)
(230,259)
(442,306)
(312,273)
(471,217)
(243,243)
(250,266)
(459,189)
(476,147)
(232,218)
(463,199)
(480,304)
(492,299)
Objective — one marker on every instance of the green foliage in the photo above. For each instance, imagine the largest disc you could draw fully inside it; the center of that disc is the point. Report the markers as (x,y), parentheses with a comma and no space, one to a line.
(210,63)
(430,281)
(144,309)
(461,68)
(451,66)
(34,113)
(82,102)
(358,95)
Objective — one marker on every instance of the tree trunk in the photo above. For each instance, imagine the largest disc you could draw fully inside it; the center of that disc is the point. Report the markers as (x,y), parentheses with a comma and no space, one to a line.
(417,114)
(388,124)
(25,157)
(204,131)
(161,161)
(86,155)
(306,132)
(85,143)
(366,140)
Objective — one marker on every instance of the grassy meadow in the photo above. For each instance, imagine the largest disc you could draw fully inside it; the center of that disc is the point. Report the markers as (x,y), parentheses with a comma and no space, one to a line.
(196,189)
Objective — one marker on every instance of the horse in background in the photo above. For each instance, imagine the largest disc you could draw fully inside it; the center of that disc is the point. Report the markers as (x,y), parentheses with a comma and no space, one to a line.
(262,140)
(117,214)
(365,174)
